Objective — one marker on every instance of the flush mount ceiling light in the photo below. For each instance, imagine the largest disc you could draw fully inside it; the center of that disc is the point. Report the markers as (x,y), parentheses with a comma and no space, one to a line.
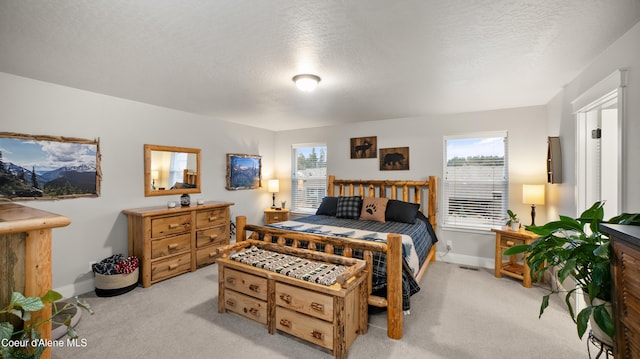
(306,82)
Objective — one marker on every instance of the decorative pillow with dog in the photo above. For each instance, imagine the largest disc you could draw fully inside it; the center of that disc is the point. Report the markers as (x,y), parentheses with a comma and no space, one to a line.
(373,209)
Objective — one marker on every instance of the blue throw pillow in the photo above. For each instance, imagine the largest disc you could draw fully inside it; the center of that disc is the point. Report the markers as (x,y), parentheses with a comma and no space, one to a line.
(349,207)
(328,207)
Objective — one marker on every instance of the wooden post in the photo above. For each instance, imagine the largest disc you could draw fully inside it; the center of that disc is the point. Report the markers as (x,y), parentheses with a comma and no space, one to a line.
(432,202)
(330,184)
(241,233)
(394,286)
(36,226)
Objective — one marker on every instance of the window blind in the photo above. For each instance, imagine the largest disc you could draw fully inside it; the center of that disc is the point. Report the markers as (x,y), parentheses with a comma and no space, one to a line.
(475,181)
(308,178)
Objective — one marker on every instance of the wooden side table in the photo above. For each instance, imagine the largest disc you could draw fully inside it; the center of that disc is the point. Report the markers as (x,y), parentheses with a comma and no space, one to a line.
(272,215)
(506,238)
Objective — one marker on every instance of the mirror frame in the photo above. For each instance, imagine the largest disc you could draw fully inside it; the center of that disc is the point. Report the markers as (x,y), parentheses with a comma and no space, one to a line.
(148,191)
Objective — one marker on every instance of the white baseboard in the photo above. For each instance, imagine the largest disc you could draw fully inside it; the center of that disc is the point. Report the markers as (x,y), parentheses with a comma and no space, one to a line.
(71,290)
(466,260)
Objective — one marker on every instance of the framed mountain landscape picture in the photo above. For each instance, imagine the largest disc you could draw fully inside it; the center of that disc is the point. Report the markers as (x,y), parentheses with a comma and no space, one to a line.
(48,167)
(243,171)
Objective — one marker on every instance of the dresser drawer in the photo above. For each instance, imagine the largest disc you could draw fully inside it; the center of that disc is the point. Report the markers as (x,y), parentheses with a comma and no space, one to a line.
(246,306)
(171,245)
(302,326)
(164,226)
(213,235)
(206,255)
(211,217)
(246,283)
(169,267)
(305,301)
(275,217)
(506,241)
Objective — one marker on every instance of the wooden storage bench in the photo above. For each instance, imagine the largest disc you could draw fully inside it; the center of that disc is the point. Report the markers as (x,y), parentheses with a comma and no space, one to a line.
(330,316)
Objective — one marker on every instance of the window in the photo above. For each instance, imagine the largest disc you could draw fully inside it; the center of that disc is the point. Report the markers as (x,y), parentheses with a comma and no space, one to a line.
(176,168)
(475,181)
(309,177)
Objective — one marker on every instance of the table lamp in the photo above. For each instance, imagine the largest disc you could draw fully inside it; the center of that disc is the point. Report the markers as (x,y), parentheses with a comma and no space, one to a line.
(533,194)
(154,177)
(273,186)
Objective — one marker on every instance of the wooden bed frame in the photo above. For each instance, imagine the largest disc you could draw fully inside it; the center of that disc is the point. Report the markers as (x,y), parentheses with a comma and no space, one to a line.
(410,191)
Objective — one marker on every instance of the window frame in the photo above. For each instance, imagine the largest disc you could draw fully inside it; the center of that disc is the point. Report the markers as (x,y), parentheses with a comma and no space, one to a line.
(496,220)
(320,190)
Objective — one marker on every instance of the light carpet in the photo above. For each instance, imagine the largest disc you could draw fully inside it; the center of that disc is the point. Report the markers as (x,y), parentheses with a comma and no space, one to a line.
(459,313)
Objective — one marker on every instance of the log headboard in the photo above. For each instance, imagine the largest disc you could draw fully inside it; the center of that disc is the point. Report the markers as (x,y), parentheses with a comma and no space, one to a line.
(410,191)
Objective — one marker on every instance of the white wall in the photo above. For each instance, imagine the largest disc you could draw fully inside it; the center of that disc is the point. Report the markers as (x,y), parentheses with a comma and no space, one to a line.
(98,228)
(527,133)
(623,53)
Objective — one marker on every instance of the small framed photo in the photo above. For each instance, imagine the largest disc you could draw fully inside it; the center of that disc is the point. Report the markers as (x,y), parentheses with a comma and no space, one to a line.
(243,171)
(394,159)
(364,147)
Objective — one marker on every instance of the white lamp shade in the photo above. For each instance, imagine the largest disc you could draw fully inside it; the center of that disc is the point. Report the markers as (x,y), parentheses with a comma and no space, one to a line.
(154,175)
(273,186)
(533,193)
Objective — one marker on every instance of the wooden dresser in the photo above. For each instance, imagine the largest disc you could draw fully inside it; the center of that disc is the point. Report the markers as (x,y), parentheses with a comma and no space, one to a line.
(625,269)
(328,316)
(172,241)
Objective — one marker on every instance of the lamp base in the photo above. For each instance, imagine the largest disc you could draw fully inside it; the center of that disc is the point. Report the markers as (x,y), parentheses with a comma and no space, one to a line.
(533,214)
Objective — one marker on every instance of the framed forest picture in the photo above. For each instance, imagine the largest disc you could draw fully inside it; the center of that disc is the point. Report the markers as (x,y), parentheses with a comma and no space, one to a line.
(48,167)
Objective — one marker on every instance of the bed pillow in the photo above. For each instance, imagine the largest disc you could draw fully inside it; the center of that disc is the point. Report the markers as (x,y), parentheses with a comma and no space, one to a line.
(400,211)
(328,207)
(373,209)
(349,207)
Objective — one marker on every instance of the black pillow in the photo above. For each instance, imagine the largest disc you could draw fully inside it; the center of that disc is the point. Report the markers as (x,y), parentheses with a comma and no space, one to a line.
(328,207)
(399,211)
(349,207)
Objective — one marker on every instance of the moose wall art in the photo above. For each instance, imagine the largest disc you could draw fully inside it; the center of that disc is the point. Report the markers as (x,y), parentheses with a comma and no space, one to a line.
(364,147)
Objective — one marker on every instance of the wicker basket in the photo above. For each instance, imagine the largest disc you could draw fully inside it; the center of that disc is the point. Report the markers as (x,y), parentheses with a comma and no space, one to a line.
(116,284)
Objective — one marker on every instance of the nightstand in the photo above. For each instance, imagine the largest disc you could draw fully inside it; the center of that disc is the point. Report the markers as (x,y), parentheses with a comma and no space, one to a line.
(506,238)
(275,215)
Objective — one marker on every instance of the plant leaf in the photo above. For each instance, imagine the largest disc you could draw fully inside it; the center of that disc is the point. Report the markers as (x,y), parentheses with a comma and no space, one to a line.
(6,330)
(29,304)
(51,296)
(84,305)
(583,320)
(567,299)
(567,269)
(519,248)
(544,304)
(71,332)
(603,319)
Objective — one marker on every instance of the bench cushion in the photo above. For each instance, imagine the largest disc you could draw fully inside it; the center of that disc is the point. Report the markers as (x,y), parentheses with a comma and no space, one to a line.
(291,266)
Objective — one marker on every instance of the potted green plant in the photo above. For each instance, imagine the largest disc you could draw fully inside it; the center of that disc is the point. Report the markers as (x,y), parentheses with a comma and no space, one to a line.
(25,341)
(578,249)
(513,220)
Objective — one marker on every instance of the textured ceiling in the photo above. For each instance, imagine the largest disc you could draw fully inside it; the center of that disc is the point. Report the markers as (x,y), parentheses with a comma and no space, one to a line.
(378,59)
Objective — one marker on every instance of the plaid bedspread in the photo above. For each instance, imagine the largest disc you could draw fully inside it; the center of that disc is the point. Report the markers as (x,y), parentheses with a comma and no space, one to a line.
(416,243)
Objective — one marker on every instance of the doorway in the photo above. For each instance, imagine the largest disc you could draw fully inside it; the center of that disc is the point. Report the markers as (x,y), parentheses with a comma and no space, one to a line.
(598,140)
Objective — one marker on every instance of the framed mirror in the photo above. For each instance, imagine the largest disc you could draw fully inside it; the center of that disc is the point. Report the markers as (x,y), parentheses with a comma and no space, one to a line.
(171,170)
